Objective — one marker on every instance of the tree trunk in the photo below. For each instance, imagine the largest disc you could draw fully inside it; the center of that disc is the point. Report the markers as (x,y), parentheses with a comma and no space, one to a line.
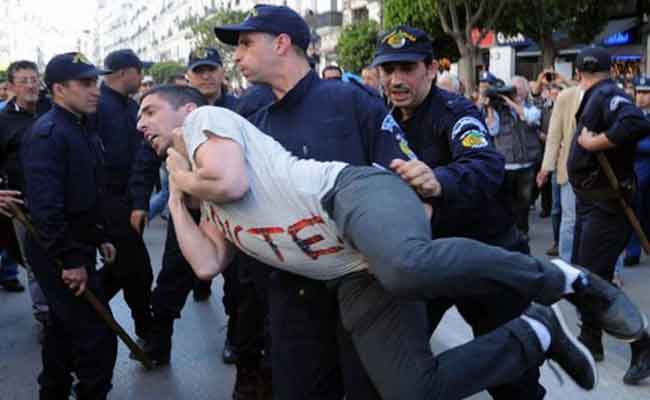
(548,51)
(467,67)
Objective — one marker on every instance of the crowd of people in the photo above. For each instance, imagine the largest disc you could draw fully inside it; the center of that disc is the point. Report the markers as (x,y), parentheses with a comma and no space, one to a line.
(346,216)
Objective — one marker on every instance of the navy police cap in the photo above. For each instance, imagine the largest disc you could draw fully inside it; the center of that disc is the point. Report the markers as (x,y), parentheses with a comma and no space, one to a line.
(269,19)
(593,59)
(488,77)
(204,56)
(70,66)
(642,83)
(122,59)
(403,44)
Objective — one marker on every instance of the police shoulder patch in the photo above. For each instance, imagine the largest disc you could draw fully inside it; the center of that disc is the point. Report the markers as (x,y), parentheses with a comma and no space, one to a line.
(617,101)
(473,139)
(467,122)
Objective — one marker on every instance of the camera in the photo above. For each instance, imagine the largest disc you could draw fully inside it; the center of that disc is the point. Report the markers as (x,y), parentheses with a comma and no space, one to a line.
(550,76)
(494,93)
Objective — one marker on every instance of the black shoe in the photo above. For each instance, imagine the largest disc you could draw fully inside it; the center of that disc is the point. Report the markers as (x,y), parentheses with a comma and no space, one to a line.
(202,291)
(607,305)
(630,261)
(229,354)
(592,339)
(640,364)
(12,285)
(544,214)
(252,384)
(571,355)
(158,354)
(158,346)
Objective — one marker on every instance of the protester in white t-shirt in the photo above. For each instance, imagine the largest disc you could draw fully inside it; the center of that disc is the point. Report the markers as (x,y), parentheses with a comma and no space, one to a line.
(294,213)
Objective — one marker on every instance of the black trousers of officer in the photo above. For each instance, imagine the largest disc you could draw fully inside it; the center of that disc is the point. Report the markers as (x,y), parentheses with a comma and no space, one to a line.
(601,233)
(131,270)
(77,340)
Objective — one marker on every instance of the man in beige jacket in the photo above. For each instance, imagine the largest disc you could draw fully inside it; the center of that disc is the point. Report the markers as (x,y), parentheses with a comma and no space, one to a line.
(558,143)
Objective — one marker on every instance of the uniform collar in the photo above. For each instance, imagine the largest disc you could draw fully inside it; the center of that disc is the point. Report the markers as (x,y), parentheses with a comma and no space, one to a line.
(69,116)
(105,89)
(298,92)
(221,101)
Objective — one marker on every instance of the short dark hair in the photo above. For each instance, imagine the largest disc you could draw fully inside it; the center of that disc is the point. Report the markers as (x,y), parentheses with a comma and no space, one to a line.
(18,65)
(177,95)
(332,68)
(172,79)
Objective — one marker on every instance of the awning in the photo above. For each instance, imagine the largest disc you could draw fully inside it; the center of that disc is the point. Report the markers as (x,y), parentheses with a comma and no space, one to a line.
(616,26)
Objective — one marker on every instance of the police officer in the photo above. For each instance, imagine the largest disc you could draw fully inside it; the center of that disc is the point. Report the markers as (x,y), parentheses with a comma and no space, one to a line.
(448,134)
(116,119)
(63,171)
(338,121)
(610,124)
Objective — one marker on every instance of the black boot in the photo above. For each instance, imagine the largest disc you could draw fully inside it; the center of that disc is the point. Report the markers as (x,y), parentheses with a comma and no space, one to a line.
(252,383)
(592,338)
(159,345)
(630,261)
(640,363)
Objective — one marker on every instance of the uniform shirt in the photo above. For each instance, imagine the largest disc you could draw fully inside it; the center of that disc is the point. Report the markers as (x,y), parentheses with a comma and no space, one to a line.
(280,220)
(14,123)
(606,108)
(448,133)
(63,170)
(117,120)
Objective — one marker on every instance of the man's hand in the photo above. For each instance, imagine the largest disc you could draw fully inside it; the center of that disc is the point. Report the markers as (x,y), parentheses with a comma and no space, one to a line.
(176,162)
(8,198)
(75,279)
(591,141)
(542,177)
(139,219)
(419,176)
(428,210)
(179,142)
(108,251)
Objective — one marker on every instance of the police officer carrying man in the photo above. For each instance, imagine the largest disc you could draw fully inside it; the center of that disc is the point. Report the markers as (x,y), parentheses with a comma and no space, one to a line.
(117,119)
(448,135)
(608,123)
(63,170)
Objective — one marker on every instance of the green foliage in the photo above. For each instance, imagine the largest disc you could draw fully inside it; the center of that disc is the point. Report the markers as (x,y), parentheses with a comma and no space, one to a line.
(163,70)
(356,45)
(420,14)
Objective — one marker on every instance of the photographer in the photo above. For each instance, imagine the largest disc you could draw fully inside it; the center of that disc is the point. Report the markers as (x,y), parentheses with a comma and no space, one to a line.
(514,122)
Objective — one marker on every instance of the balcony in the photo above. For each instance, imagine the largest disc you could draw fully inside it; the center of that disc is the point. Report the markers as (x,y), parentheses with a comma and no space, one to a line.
(330,18)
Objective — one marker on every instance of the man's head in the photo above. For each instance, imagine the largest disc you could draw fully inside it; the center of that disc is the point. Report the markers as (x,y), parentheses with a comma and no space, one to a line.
(126,71)
(370,76)
(4,90)
(163,109)
(24,81)
(269,39)
(146,84)
(485,81)
(593,63)
(205,71)
(522,86)
(642,85)
(72,79)
(333,72)
(407,68)
(177,79)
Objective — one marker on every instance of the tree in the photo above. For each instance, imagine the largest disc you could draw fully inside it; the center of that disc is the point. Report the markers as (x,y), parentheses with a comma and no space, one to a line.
(163,70)
(356,45)
(421,15)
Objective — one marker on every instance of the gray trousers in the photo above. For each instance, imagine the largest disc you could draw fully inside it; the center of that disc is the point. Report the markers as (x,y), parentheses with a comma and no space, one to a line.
(383,312)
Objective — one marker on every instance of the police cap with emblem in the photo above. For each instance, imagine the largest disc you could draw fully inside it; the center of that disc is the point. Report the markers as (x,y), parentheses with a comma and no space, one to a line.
(268,19)
(642,83)
(70,66)
(403,44)
(488,77)
(204,56)
(593,59)
(122,59)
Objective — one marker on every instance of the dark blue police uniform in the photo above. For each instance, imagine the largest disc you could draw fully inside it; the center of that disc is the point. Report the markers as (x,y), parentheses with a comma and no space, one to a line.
(448,133)
(116,125)
(63,173)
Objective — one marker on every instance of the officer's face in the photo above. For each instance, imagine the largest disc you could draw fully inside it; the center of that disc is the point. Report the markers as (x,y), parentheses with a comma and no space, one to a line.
(407,84)
(133,79)
(79,96)
(643,99)
(25,85)
(255,56)
(207,79)
(157,120)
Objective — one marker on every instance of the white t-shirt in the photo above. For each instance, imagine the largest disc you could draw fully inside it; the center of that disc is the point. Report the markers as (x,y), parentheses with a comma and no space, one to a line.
(280,221)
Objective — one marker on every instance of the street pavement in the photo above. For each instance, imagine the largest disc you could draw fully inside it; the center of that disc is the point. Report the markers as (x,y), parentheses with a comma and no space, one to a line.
(197,373)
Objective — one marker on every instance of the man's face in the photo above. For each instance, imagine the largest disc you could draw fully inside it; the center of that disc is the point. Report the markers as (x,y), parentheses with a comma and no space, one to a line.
(132,79)
(407,84)
(522,93)
(144,86)
(80,96)
(643,99)
(207,79)
(4,91)
(255,56)
(157,120)
(333,74)
(26,85)
(370,77)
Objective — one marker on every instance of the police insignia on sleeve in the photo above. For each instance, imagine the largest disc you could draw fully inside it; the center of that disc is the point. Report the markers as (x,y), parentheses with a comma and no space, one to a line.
(391,126)
(473,139)
(616,101)
(462,123)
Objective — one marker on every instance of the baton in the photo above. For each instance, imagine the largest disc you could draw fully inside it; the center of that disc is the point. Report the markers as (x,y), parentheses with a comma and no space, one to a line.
(87,294)
(629,212)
